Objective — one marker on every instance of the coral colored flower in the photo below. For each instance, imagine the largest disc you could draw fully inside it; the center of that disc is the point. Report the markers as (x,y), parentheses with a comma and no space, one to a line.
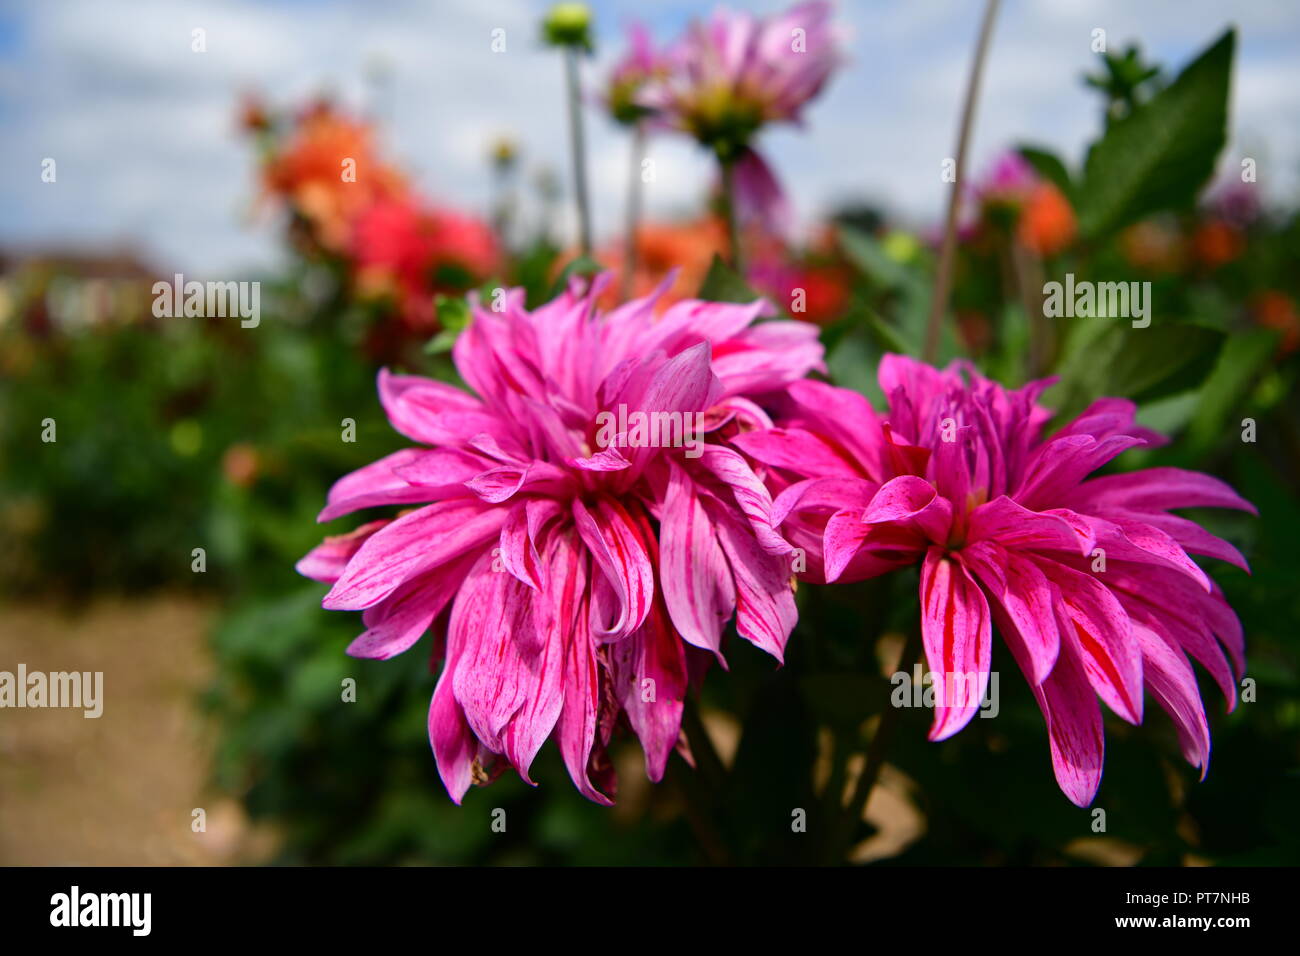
(1277,310)
(735,74)
(570,557)
(1216,243)
(1014,195)
(417,252)
(309,173)
(672,255)
(1088,579)
(1047,224)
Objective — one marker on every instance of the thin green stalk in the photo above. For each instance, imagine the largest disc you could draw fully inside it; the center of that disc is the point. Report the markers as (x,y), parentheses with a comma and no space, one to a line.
(733,222)
(875,758)
(633,215)
(947,253)
(578,148)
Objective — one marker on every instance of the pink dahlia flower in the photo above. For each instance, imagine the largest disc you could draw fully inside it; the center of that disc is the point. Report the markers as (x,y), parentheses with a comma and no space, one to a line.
(578,521)
(731,76)
(641,63)
(1088,579)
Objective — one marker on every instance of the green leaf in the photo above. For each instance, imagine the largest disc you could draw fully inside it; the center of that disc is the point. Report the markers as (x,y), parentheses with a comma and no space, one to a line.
(453,316)
(1240,363)
(1048,165)
(582,266)
(722,284)
(866,253)
(1159,156)
(1108,357)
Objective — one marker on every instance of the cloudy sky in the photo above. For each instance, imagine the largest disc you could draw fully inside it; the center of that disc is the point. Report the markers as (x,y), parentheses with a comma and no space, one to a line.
(141,127)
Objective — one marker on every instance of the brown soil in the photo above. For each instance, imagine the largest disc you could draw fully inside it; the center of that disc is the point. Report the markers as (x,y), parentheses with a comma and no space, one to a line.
(120,789)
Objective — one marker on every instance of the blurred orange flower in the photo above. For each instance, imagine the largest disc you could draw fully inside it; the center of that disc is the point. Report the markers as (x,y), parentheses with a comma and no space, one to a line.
(1277,310)
(329,171)
(1047,224)
(660,248)
(1216,243)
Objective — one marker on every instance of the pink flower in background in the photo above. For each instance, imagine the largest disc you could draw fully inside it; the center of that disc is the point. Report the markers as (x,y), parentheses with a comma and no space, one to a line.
(639,65)
(733,75)
(1088,580)
(568,556)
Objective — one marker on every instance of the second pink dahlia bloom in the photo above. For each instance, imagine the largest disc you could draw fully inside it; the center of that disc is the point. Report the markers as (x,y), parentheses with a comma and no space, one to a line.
(565,561)
(1088,579)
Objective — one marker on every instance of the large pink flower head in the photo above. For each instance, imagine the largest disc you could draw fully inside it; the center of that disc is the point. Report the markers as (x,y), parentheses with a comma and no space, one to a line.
(1088,579)
(579,520)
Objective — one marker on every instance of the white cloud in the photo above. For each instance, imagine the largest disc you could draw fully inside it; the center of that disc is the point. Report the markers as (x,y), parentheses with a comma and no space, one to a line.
(142,127)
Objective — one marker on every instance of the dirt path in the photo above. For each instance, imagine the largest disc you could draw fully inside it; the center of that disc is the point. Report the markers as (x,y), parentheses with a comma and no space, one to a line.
(119,789)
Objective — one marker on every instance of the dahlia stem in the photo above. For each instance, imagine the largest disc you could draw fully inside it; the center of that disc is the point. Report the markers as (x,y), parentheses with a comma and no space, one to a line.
(1028,271)
(733,222)
(578,148)
(633,215)
(875,758)
(947,253)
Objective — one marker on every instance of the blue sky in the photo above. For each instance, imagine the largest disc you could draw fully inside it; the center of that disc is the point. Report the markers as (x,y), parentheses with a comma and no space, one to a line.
(142,128)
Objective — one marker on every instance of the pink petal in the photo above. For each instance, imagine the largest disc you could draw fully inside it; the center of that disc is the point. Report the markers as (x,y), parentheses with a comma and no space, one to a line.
(798,450)
(652,654)
(697,588)
(1027,601)
(765,609)
(1159,489)
(398,621)
(619,550)
(414,543)
(326,561)
(508,679)
(1013,526)
(956,632)
(1094,621)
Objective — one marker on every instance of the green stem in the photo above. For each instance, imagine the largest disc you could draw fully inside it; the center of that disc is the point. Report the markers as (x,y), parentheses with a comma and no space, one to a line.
(633,218)
(947,253)
(733,223)
(578,148)
(875,758)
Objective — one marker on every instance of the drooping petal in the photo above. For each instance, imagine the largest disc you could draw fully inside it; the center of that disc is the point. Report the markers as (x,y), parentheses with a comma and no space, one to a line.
(1158,489)
(1027,601)
(697,587)
(619,550)
(765,609)
(1095,622)
(398,621)
(326,561)
(956,632)
(414,543)
(508,680)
